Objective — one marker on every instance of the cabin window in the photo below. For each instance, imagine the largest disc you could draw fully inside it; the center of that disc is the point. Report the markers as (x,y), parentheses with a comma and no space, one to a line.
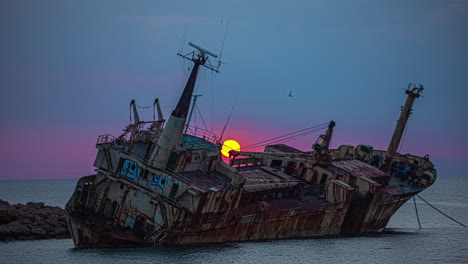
(138,226)
(291,168)
(107,205)
(121,162)
(324,178)
(216,203)
(84,196)
(276,163)
(172,160)
(174,189)
(113,208)
(129,222)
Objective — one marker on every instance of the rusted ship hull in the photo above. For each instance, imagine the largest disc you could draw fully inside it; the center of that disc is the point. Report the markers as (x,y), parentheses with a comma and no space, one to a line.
(86,235)
(311,217)
(165,183)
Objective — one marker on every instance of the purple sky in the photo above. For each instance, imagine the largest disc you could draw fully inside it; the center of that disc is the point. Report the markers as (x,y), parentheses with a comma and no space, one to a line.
(68,71)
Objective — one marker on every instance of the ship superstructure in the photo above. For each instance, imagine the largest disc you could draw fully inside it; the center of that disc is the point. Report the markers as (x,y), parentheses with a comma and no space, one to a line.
(164,182)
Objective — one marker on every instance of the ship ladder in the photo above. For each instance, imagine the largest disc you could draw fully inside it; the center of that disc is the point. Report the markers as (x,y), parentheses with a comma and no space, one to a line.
(156,237)
(108,159)
(148,237)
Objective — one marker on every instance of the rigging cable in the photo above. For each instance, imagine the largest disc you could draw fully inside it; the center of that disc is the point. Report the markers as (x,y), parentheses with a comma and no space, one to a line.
(283,140)
(212,103)
(229,118)
(182,41)
(286,135)
(416,210)
(198,109)
(224,39)
(441,212)
(404,136)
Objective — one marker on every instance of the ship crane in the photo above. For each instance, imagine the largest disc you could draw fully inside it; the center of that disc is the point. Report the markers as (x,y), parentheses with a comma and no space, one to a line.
(134,128)
(157,124)
(131,128)
(413,92)
(322,144)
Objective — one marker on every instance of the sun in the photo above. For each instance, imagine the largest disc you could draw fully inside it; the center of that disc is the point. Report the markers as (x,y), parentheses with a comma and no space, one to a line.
(229,145)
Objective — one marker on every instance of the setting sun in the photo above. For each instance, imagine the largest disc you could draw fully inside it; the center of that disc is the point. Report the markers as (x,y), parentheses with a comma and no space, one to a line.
(229,145)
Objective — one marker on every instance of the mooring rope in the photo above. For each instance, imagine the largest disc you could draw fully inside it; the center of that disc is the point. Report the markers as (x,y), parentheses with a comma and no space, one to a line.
(441,212)
(416,210)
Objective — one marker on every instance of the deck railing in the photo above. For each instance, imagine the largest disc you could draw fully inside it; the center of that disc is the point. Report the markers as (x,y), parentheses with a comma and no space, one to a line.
(203,139)
(106,138)
(202,133)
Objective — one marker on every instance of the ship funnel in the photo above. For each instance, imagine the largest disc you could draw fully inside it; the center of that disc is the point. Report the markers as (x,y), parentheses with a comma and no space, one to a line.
(203,51)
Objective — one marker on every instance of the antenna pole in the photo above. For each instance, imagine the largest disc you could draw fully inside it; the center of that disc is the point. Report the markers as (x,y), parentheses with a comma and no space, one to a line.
(224,39)
(195,97)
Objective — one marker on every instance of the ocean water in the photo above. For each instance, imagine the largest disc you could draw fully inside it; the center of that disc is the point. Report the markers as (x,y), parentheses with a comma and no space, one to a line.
(439,241)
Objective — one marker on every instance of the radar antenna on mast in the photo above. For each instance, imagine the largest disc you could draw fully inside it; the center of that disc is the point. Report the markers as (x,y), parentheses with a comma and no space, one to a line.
(201,58)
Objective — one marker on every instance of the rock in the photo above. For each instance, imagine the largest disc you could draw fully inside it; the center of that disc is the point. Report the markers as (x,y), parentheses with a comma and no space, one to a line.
(31,221)
(37,219)
(5,217)
(25,221)
(38,232)
(35,205)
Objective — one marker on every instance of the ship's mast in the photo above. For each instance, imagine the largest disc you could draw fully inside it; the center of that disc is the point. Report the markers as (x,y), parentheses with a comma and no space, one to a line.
(172,132)
(413,92)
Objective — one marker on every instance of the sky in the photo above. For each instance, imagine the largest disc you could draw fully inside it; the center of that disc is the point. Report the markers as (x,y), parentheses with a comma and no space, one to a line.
(69,69)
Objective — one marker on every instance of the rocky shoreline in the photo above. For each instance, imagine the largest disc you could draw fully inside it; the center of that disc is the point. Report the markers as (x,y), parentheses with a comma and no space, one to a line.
(32,221)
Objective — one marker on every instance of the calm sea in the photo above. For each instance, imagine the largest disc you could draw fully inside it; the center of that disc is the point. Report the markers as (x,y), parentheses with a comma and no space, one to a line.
(439,241)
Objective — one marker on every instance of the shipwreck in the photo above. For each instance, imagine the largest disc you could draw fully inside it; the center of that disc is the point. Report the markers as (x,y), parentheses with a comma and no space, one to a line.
(165,183)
